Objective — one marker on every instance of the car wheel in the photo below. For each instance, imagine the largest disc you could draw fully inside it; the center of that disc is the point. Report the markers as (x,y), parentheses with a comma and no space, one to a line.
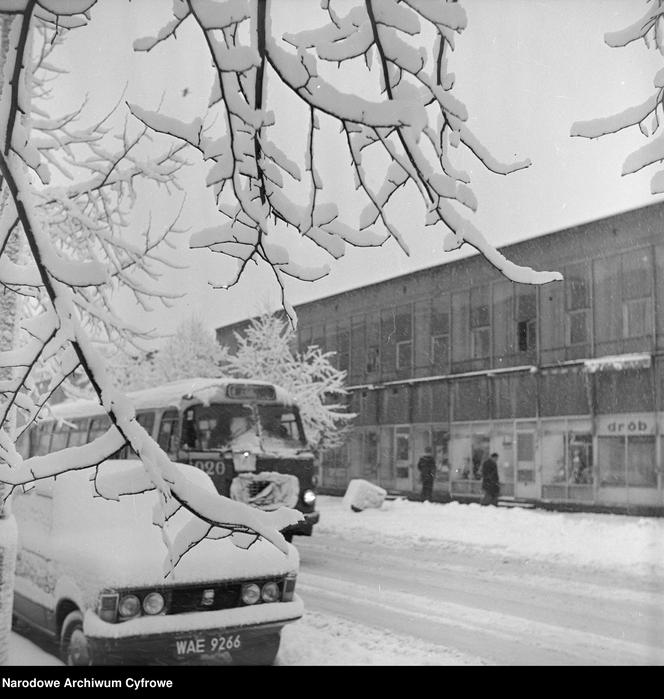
(74,646)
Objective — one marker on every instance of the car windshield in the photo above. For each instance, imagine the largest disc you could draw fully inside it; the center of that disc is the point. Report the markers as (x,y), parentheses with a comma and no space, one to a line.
(279,425)
(216,426)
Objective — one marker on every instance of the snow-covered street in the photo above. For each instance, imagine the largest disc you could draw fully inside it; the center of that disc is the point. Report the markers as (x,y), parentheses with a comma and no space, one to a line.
(429,584)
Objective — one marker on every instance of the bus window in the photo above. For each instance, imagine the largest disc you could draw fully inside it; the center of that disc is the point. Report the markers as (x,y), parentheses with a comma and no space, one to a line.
(280,422)
(168,430)
(146,421)
(42,441)
(79,432)
(60,437)
(215,426)
(98,425)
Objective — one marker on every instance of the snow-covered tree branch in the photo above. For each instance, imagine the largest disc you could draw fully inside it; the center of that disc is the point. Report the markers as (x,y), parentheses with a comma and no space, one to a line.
(80,249)
(400,124)
(647,115)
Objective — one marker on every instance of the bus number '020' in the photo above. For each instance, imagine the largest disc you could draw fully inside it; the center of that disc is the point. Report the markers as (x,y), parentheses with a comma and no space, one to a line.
(210,466)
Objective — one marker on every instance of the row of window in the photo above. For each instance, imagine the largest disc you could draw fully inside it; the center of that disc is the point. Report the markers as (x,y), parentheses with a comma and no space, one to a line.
(567,458)
(500,318)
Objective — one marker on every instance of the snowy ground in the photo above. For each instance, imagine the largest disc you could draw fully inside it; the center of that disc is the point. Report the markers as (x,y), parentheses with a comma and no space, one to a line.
(594,542)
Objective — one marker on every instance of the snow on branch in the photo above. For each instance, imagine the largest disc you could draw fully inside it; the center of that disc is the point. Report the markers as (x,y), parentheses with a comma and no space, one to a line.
(397,109)
(83,247)
(645,116)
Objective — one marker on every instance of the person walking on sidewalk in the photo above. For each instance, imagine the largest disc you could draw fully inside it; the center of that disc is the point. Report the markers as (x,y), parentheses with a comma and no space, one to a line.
(490,480)
(427,468)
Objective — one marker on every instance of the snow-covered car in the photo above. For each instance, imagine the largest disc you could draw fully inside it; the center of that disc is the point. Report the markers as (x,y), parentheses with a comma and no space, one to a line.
(91,573)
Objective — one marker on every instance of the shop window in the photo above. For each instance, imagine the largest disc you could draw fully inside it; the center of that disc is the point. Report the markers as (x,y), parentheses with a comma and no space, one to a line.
(641,462)
(627,461)
(479,454)
(370,453)
(402,451)
(441,439)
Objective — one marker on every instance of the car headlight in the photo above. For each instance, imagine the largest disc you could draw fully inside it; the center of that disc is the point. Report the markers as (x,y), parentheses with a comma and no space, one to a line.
(129,606)
(270,592)
(251,593)
(153,603)
(309,497)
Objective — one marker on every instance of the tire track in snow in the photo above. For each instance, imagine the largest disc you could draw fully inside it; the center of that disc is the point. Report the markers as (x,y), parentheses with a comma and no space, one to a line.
(495,636)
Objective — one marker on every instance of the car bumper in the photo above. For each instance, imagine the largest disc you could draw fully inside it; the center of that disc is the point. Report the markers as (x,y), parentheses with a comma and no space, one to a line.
(225,637)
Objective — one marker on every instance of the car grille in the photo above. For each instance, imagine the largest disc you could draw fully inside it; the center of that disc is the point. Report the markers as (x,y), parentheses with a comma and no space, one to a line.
(255,487)
(191,599)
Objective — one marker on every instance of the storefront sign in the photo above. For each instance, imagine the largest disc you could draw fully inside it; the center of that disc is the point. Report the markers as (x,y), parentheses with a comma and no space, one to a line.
(621,425)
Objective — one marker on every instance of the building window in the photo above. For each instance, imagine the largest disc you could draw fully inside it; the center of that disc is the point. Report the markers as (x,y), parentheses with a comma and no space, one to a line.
(627,461)
(526,318)
(404,339)
(577,304)
(373,359)
(577,328)
(440,338)
(343,350)
(404,355)
(636,317)
(480,319)
(480,341)
(526,331)
(440,352)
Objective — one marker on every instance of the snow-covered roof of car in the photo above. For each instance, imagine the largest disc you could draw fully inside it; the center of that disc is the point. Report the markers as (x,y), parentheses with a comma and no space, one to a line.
(180,394)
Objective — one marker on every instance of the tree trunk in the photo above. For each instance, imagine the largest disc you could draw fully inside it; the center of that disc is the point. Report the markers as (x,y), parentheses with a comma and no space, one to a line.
(8,531)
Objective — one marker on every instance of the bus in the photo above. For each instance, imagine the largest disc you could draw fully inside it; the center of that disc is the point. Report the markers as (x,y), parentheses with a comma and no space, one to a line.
(246,435)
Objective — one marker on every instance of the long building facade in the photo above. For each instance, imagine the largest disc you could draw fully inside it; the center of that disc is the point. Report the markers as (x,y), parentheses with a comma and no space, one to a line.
(564,381)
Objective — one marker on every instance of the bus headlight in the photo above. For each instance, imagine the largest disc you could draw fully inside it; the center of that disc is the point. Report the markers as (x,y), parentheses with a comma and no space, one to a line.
(309,497)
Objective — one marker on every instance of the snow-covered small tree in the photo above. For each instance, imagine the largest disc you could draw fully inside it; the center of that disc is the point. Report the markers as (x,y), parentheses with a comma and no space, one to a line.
(646,116)
(191,351)
(267,351)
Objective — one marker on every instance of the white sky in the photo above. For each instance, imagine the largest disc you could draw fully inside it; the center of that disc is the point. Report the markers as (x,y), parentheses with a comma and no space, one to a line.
(526,69)
(601,543)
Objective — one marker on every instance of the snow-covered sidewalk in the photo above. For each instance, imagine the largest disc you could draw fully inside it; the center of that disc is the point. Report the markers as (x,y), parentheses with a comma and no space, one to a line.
(634,545)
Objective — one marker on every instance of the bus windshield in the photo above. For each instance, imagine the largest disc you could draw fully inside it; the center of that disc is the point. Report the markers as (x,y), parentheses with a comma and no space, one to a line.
(216,426)
(279,425)
(221,426)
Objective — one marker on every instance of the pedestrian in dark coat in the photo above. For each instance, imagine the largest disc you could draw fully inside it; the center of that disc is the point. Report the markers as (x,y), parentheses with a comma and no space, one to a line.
(490,480)
(427,468)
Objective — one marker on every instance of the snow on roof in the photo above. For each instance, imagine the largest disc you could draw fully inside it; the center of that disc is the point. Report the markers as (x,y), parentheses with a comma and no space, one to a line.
(617,362)
(174,394)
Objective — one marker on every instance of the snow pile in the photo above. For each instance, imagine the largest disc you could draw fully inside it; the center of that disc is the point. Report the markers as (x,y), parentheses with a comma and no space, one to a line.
(361,495)
(632,544)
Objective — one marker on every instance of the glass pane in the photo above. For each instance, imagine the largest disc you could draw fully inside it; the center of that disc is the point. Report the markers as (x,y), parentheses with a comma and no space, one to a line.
(611,460)
(641,462)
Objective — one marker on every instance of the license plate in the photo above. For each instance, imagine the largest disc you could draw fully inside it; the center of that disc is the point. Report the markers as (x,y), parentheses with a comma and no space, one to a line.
(193,646)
